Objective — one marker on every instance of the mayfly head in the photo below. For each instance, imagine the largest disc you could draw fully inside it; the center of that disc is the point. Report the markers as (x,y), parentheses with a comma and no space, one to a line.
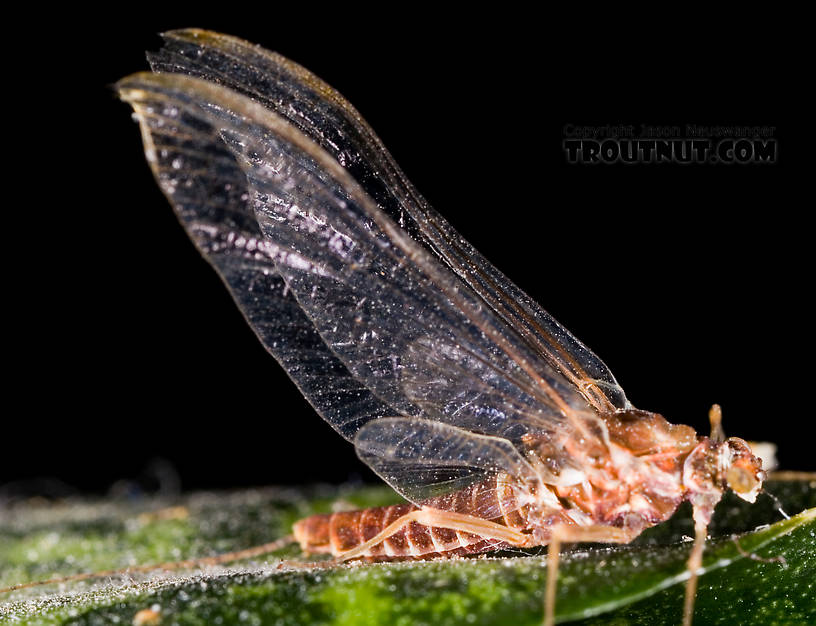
(714,466)
(742,470)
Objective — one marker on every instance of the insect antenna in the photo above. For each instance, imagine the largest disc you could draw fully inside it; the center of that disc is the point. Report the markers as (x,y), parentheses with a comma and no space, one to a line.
(755,557)
(715,419)
(777,502)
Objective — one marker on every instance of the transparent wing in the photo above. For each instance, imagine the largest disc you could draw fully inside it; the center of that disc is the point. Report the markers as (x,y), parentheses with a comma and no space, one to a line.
(210,195)
(408,334)
(324,116)
(424,459)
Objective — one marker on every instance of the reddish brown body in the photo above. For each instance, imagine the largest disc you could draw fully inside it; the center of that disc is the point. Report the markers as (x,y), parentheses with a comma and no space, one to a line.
(636,479)
(337,533)
(340,532)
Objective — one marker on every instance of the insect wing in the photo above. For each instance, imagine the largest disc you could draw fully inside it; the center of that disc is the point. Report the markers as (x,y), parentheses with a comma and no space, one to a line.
(329,120)
(377,299)
(210,195)
(426,459)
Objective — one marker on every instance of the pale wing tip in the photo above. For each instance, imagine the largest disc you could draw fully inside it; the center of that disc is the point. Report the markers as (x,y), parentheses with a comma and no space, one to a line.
(189,33)
(200,36)
(129,88)
(131,80)
(203,37)
(134,86)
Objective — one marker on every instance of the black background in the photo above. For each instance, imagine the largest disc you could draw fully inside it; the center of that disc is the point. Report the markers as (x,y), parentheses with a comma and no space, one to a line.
(689,281)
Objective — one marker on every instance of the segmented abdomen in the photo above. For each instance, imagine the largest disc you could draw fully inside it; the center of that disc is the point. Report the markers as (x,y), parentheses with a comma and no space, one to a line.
(337,533)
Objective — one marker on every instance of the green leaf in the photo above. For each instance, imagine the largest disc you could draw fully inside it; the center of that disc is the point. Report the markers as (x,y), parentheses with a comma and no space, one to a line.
(641,583)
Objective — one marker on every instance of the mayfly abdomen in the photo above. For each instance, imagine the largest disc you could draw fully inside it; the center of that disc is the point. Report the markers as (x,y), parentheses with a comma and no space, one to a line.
(337,533)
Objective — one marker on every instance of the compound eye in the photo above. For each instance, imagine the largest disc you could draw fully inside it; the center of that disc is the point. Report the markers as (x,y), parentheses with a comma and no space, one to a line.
(741,480)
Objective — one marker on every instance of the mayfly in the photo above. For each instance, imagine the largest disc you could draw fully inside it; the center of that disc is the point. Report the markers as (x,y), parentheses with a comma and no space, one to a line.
(498,426)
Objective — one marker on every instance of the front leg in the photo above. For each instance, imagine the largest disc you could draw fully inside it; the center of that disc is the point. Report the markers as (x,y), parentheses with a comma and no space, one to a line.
(563,533)
(695,562)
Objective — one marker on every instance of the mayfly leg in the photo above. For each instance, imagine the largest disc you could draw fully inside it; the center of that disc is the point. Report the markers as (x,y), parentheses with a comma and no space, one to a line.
(693,565)
(574,534)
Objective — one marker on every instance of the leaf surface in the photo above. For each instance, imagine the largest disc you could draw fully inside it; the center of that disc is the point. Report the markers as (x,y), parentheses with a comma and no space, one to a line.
(641,583)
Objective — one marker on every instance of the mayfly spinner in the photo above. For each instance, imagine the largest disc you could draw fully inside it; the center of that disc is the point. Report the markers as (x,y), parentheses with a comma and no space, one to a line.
(497,425)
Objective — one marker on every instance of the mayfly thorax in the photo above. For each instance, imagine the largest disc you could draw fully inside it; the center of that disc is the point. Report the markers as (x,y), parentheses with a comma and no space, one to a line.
(497,425)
